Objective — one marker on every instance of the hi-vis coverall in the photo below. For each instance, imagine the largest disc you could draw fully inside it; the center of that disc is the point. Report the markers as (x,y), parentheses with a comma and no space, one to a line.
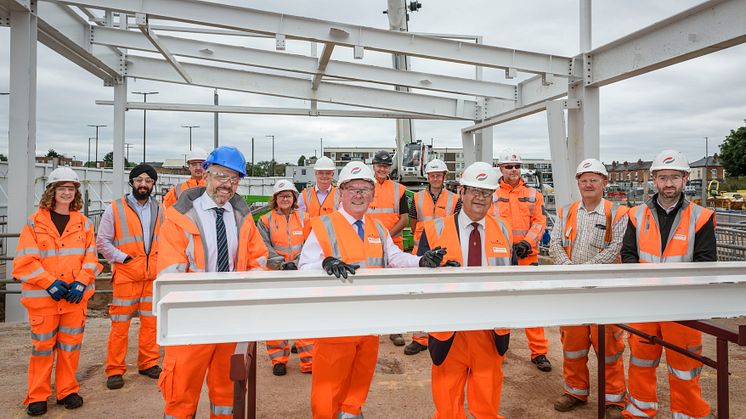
(385,206)
(174,193)
(314,208)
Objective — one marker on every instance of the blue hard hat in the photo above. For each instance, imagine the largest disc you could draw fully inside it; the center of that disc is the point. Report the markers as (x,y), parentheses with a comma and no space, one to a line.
(227,156)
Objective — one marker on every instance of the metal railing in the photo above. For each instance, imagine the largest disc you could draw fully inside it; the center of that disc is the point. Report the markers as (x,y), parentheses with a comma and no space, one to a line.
(731,243)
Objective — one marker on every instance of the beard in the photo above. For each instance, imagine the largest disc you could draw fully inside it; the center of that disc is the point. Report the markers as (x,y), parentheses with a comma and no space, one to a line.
(141,193)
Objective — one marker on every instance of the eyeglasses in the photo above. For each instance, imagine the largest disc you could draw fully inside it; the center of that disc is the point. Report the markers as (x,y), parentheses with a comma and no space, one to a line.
(225,178)
(478,192)
(65,188)
(593,182)
(672,178)
(511,166)
(359,191)
(146,180)
(284,196)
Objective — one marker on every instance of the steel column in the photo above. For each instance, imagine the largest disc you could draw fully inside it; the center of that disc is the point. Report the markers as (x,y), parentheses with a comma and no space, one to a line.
(562,155)
(120,102)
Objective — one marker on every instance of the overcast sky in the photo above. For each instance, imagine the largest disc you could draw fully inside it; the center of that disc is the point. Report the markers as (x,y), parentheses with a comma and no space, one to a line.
(675,107)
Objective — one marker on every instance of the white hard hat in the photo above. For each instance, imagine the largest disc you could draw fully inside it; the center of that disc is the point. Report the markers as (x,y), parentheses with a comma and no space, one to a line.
(356,170)
(63,174)
(509,155)
(591,166)
(480,175)
(670,160)
(436,165)
(197,154)
(284,185)
(324,163)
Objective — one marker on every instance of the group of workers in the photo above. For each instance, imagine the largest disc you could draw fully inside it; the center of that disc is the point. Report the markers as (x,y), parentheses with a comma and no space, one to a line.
(494,219)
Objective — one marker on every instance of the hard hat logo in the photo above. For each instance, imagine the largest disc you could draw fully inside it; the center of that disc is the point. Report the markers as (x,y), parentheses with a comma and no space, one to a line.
(668,160)
(355,170)
(587,165)
(482,177)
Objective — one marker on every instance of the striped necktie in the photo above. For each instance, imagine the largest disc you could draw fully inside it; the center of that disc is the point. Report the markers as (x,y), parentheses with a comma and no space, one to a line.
(222,265)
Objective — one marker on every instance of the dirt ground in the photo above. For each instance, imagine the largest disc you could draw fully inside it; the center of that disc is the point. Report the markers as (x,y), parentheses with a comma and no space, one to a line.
(401,387)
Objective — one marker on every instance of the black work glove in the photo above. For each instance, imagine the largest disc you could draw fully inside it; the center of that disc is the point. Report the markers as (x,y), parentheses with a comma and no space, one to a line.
(452,263)
(522,249)
(289,266)
(432,258)
(336,267)
(127,259)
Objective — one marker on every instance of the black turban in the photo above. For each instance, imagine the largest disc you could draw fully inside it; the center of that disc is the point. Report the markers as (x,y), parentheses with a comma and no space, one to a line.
(144,168)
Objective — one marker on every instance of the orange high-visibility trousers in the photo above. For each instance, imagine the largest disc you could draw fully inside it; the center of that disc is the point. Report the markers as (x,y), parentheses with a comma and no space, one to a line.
(55,334)
(576,343)
(343,369)
(279,352)
(184,369)
(683,372)
(129,298)
(420,337)
(537,342)
(473,361)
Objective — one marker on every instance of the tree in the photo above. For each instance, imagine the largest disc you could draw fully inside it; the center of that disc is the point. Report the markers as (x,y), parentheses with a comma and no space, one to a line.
(52,153)
(302,160)
(109,160)
(3,157)
(733,152)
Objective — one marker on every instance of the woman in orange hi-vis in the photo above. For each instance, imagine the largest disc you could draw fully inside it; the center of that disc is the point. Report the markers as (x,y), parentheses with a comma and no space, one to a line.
(284,229)
(56,262)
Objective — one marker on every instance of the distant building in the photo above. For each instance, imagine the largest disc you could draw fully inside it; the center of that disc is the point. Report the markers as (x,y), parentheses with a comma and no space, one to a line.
(629,174)
(452,156)
(61,161)
(711,166)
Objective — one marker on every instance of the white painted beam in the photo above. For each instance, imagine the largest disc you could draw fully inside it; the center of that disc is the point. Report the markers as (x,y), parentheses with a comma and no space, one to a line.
(153,38)
(303,64)
(118,131)
(326,54)
(245,81)
(296,27)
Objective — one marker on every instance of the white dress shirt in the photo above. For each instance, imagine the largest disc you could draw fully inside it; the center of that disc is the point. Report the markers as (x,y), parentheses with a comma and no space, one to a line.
(204,207)
(320,195)
(464,230)
(106,230)
(312,255)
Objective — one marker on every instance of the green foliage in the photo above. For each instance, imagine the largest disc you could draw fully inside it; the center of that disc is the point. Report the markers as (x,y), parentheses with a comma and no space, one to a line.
(52,153)
(109,160)
(3,157)
(732,184)
(733,152)
(302,160)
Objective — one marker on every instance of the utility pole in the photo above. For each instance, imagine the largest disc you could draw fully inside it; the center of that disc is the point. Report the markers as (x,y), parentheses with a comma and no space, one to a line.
(144,118)
(127,146)
(322,147)
(273,153)
(252,156)
(89,150)
(704,178)
(215,124)
(97,126)
(190,133)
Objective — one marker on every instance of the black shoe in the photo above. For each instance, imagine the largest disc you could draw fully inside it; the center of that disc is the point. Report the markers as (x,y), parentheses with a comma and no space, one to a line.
(293,349)
(279,369)
(152,372)
(36,408)
(414,348)
(397,339)
(71,401)
(115,382)
(542,363)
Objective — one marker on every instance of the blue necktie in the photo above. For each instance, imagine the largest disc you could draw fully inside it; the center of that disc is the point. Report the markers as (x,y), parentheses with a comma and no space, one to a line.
(359,227)
(222,265)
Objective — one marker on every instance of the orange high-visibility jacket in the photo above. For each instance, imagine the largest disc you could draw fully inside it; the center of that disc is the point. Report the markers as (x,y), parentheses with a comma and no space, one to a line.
(173,195)
(428,210)
(314,208)
(680,246)
(497,246)
(181,246)
(523,208)
(284,237)
(43,255)
(128,238)
(385,205)
(568,217)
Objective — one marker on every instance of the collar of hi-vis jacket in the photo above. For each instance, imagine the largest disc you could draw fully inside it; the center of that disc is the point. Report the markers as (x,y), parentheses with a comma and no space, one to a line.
(506,185)
(184,206)
(42,221)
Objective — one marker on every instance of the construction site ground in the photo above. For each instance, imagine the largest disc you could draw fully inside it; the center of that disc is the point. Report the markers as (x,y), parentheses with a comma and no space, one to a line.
(401,386)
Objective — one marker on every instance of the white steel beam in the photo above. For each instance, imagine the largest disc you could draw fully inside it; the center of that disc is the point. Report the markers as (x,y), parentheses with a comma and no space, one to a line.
(118,128)
(395,300)
(267,84)
(142,23)
(518,113)
(296,27)
(561,155)
(326,54)
(303,64)
(257,110)
(700,30)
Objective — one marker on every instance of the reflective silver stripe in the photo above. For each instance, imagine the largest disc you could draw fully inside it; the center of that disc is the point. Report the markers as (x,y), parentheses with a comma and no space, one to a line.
(439,225)
(576,391)
(146,313)
(220,410)
(326,221)
(121,317)
(614,398)
(381,211)
(307,348)
(34,294)
(126,240)
(639,221)
(146,299)
(72,330)
(377,262)
(44,336)
(124,303)
(677,415)
(189,251)
(45,352)
(37,272)
(382,235)
(27,251)
(419,203)
(685,374)
(612,359)
(280,346)
(91,286)
(396,198)
(68,347)
(633,410)
(498,261)
(576,354)
(165,416)
(93,267)
(639,362)
(278,354)
(306,359)
(71,251)
(641,404)
(519,233)
(123,218)
(345,415)
(450,205)
(262,261)
(176,267)
(618,334)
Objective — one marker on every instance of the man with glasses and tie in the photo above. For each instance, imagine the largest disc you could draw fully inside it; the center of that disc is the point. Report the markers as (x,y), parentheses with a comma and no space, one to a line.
(473,358)
(339,243)
(210,229)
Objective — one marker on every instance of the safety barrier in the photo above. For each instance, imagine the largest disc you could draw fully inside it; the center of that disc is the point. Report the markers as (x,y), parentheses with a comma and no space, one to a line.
(731,243)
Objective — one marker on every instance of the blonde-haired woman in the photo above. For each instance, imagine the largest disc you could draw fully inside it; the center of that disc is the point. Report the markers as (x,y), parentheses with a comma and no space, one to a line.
(56,263)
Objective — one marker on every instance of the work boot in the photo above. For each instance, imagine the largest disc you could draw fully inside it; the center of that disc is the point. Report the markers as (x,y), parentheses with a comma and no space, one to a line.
(115,382)
(614,411)
(279,369)
(397,339)
(152,372)
(414,348)
(71,401)
(542,363)
(566,403)
(293,349)
(37,408)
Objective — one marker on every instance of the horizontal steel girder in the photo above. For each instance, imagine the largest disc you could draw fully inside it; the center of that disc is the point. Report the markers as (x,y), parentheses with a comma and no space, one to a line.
(297,88)
(252,306)
(297,27)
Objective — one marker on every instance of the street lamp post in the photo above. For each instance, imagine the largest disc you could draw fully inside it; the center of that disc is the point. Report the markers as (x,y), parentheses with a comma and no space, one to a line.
(89,149)
(127,146)
(190,133)
(144,119)
(273,153)
(97,126)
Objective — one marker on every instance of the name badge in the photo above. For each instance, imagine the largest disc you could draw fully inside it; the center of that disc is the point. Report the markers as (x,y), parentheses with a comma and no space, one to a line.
(374,240)
(679,237)
(499,250)
(297,233)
